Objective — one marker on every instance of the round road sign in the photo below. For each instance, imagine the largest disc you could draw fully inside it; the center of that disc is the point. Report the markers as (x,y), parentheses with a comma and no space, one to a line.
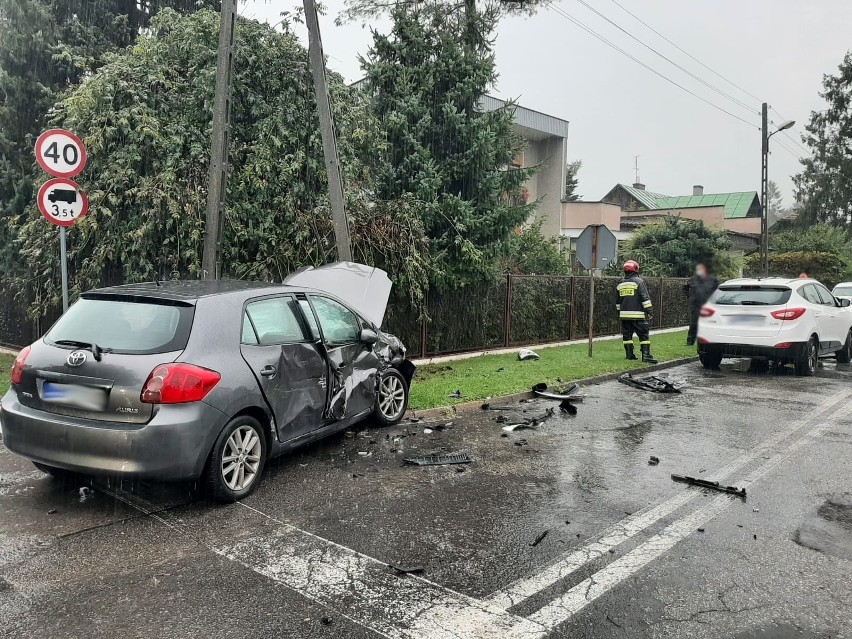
(62,202)
(60,153)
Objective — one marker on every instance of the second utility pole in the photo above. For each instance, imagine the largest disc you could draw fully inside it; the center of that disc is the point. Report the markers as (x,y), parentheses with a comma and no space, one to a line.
(329,141)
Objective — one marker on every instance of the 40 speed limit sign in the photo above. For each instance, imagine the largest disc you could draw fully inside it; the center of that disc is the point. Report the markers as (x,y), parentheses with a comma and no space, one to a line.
(60,153)
(62,202)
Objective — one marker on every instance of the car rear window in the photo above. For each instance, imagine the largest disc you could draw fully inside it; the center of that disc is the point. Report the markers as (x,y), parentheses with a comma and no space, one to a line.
(751,295)
(125,326)
(843,291)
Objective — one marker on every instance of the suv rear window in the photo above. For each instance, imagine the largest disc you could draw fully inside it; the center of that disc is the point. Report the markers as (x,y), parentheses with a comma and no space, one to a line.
(124,326)
(843,291)
(751,295)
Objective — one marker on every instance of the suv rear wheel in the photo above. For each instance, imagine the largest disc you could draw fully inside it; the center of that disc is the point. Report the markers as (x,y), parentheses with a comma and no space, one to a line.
(844,355)
(710,361)
(807,363)
(237,460)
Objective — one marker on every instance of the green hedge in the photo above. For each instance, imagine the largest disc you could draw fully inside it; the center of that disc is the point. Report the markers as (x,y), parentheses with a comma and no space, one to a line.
(828,268)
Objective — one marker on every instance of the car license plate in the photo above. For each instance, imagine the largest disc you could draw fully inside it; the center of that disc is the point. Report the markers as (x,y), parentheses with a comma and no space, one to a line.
(74,396)
(746,319)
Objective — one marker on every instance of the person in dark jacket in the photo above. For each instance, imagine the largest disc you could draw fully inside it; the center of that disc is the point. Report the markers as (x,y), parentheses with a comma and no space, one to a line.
(698,289)
(635,310)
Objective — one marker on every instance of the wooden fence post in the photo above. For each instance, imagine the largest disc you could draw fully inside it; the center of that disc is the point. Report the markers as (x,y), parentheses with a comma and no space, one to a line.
(507,323)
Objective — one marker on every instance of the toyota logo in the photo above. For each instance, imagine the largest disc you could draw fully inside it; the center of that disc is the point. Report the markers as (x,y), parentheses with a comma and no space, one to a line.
(76,358)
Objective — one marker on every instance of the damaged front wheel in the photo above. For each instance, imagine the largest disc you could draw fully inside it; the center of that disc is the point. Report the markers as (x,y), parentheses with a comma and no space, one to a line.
(391,398)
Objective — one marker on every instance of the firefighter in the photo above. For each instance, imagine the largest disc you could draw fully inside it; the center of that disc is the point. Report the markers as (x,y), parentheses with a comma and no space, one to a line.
(635,311)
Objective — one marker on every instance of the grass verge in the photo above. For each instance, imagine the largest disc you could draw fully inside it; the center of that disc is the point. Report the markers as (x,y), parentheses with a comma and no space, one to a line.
(481,377)
(5,369)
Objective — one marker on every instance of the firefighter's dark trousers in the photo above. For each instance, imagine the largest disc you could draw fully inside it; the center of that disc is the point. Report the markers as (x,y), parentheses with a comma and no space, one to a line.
(640,327)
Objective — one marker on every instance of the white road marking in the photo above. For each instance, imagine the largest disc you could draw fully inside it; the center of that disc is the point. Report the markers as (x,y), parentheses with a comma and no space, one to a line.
(522,589)
(587,591)
(367,592)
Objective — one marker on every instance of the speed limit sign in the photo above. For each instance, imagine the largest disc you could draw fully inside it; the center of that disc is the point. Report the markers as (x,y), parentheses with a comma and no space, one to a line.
(60,153)
(62,202)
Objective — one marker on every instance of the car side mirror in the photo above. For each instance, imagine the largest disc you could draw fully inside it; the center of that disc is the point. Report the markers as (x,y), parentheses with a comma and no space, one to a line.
(845,302)
(368,336)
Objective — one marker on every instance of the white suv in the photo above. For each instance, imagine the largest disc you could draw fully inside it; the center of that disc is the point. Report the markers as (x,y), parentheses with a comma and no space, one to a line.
(783,320)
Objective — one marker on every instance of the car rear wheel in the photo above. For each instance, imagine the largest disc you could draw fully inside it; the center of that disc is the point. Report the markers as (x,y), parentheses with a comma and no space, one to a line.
(237,460)
(844,355)
(710,361)
(807,363)
(391,398)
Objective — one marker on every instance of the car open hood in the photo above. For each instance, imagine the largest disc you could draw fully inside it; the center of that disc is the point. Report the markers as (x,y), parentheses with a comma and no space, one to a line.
(364,288)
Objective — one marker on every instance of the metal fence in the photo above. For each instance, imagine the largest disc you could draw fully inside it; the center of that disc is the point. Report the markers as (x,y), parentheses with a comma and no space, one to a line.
(519,310)
(523,310)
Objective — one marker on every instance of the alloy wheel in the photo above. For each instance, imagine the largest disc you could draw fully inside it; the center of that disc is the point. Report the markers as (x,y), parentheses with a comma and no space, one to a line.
(391,397)
(241,458)
(812,356)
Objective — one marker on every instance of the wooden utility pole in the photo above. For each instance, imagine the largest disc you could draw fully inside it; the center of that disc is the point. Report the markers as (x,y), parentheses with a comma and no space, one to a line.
(217,180)
(329,140)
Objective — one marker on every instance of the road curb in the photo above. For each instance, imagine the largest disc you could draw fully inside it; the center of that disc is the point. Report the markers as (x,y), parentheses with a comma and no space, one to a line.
(476,405)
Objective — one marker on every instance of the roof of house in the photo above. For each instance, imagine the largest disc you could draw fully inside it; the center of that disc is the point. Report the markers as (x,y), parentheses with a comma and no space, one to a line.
(647,198)
(737,205)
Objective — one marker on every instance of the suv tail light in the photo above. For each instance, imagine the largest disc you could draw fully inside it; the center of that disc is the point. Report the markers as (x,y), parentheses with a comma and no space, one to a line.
(788,314)
(706,311)
(178,384)
(18,365)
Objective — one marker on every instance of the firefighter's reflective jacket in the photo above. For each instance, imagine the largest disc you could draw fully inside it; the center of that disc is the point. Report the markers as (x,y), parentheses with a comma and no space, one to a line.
(632,300)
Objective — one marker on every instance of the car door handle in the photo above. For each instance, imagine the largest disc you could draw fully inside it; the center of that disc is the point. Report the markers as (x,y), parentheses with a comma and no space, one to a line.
(268,371)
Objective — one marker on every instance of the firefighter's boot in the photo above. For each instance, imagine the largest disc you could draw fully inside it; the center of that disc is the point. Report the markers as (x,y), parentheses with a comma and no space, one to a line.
(628,349)
(647,358)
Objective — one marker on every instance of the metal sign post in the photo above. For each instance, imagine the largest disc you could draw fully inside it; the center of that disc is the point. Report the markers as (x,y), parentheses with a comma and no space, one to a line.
(592,289)
(63,257)
(596,248)
(60,200)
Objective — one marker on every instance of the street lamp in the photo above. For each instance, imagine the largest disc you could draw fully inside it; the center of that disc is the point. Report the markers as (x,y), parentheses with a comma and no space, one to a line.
(764,184)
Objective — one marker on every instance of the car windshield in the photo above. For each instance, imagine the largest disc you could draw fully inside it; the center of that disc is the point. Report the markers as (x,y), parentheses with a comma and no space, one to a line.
(120,326)
(843,291)
(752,296)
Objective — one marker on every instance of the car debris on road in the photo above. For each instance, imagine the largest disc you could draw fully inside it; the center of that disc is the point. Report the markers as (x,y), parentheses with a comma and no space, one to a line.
(525,354)
(657,383)
(539,539)
(713,485)
(439,460)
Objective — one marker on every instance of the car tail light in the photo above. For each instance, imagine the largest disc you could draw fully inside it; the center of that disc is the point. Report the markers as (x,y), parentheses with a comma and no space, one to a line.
(703,340)
(784,345)
(788,314)
(18,366)
(706,311)
(178,384)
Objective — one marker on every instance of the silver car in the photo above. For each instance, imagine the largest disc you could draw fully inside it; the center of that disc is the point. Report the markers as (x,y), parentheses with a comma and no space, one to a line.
(206,380)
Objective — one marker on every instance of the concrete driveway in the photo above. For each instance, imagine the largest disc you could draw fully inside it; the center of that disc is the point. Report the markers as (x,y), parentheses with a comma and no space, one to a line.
(628,552)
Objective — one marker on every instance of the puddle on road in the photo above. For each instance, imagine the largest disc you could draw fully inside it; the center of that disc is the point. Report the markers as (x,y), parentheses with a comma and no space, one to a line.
(780,632)
(831,531)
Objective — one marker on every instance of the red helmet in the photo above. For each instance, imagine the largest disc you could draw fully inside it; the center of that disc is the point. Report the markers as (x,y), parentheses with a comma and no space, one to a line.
(631,266)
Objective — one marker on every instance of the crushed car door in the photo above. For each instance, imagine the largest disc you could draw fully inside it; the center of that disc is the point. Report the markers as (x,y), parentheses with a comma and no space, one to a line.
(353,363)
(288,364)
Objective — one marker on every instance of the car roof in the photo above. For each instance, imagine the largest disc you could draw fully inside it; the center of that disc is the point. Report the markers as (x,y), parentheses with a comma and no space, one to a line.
(189,290)
(769,281)
(843,284)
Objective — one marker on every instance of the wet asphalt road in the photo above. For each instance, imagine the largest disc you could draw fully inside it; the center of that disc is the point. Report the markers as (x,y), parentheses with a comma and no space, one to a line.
(628,552)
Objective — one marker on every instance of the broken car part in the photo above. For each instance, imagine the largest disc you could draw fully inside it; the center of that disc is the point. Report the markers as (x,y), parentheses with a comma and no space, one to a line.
(406,570)
(713,485)
(539,539)
(439,460)
(526,354)
(658,383)
(653,461)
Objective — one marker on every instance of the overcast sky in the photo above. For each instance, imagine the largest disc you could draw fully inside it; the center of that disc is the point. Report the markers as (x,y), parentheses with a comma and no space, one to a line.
(778,50)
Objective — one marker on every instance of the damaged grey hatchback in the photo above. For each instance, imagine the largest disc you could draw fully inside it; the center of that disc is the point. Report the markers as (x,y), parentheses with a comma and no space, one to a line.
(206,380)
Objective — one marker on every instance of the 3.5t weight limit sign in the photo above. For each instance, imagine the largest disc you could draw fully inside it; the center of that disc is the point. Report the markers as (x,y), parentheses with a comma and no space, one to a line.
(62,202)
(60,153)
